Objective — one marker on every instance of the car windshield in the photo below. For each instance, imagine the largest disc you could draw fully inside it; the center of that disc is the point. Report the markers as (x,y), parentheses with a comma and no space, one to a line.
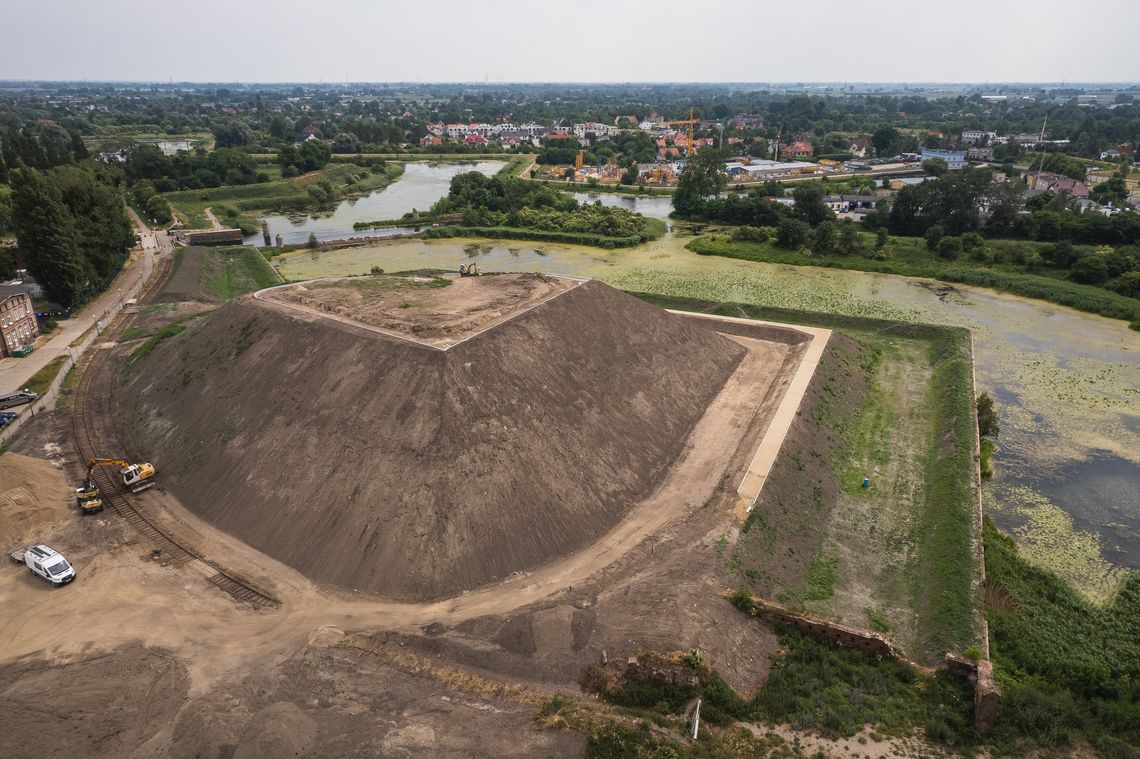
(59,567)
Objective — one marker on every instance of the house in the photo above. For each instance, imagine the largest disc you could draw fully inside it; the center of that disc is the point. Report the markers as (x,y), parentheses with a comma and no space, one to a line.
(860,146)
(980,154)
(1074,187)
(18,327)
(955,159)
(802,149)
(510,141)
(474,139)
(430,139)
(559,135)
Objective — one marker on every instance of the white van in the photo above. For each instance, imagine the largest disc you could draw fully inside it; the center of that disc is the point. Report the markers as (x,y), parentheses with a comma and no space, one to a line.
(18,399)
(48,564)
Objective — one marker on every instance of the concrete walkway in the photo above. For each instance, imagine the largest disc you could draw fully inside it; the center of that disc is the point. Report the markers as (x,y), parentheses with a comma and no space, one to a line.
(15,372)
(765,456)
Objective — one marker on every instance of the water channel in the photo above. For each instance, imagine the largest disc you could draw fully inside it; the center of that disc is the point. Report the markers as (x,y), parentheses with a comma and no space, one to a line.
(421,185)
(1067,383)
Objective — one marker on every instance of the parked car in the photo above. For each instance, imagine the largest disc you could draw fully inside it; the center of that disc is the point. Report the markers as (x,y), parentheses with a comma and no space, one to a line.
(9,415)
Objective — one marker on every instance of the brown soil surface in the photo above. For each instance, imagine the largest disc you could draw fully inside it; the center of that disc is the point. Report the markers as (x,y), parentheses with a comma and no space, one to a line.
(33,494)
(376,464)
(419,308)
(789,518)
(185,283)
(106,705)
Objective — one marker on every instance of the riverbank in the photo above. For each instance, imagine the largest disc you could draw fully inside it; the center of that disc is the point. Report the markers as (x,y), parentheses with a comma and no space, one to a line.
(235,204)
(908,257)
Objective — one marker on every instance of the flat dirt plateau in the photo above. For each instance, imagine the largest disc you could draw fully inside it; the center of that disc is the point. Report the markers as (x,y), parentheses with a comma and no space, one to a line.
(431,310)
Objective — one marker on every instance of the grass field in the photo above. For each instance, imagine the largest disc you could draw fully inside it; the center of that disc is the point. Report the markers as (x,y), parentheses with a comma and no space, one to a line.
(236,204)
(897,554)
(908,256)
(230,272)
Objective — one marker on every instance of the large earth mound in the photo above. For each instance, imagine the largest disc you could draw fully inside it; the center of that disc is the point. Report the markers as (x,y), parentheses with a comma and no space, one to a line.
(375,462)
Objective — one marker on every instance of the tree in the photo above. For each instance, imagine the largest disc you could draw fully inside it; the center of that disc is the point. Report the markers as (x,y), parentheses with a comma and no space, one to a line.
(849,243)
(884,140)
(934,236)
(47,238)
(809,204)
(824,240)
(703,177)
(881,238)
(231,133)
(629,176)
(987,417)
(935,167)
(792,233)
(313,242)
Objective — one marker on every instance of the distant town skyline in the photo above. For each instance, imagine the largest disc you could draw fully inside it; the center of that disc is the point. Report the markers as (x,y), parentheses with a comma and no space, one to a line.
(589,41)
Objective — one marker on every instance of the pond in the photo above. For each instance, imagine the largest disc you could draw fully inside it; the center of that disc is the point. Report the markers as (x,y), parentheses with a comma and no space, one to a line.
(1067,383)
(420,186)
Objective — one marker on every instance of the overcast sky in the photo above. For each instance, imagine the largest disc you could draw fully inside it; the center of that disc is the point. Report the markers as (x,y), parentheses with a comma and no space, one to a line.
(572,40)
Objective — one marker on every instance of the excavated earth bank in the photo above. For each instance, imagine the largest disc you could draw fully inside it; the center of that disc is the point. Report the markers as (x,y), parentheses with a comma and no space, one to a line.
(375,463)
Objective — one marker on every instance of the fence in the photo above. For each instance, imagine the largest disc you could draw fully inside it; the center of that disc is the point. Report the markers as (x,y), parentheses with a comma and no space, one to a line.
(46,402)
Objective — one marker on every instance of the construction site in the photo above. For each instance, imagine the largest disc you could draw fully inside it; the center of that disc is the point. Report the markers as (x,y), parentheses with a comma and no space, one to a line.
(392,515)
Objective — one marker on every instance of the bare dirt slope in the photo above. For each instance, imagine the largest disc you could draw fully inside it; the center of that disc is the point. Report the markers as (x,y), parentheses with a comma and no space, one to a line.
(33,494)
(377,464)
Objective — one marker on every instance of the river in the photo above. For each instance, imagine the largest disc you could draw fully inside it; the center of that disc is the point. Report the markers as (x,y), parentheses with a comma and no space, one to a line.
(1067,383)
(420,186)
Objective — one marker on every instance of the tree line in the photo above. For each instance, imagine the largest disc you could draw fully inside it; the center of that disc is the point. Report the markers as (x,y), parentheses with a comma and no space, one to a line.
(72,230)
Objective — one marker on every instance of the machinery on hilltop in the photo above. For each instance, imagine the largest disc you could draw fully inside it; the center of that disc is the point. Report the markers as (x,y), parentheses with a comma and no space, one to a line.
(136,477)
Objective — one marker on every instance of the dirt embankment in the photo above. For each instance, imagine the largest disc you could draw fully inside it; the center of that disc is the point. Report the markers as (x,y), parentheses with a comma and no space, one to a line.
(33,495)
(380,465)
(786,526)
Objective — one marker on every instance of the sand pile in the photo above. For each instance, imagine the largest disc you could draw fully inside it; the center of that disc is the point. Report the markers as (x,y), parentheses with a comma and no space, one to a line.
(376,463)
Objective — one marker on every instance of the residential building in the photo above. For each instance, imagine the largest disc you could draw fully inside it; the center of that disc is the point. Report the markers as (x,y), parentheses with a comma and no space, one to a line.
(802,149)
(430,139)
(973,136)
(860,146)
(955,159)
(979,154)
(18,325)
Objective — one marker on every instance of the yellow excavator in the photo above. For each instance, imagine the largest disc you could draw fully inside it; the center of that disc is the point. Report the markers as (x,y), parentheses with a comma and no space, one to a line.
(136,477)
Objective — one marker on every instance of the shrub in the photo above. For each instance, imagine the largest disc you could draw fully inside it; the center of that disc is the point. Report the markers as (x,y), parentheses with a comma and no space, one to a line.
(792,233)
(949,247)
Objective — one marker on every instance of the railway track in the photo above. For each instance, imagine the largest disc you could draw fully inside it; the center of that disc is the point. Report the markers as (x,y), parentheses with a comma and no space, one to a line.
(96,387)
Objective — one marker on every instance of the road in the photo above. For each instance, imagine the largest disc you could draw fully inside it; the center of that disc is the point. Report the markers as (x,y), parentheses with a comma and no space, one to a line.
(15,372)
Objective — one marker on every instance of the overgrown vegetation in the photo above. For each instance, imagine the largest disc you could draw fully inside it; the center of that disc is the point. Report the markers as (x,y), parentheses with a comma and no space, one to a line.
(512,208)
(1068,669)
(311,190)
(148,346)
(41,380)
(1009,266)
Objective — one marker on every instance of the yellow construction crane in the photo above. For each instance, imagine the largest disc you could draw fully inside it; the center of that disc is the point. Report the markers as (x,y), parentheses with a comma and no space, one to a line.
(690,121)
(578,159)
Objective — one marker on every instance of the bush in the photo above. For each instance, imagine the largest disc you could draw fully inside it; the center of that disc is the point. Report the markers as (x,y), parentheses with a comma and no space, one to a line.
(949,247)
(750,234)
(792,233)
(934,236)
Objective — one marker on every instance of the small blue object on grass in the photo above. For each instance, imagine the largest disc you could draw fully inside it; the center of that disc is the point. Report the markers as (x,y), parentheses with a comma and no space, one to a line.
(866,482)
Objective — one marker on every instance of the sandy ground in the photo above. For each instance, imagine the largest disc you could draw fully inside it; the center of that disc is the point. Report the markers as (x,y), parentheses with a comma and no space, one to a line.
(203,676)
(33,494)
(414,308)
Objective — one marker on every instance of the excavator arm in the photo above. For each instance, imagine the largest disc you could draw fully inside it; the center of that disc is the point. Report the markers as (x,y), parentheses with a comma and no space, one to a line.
(104,462)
